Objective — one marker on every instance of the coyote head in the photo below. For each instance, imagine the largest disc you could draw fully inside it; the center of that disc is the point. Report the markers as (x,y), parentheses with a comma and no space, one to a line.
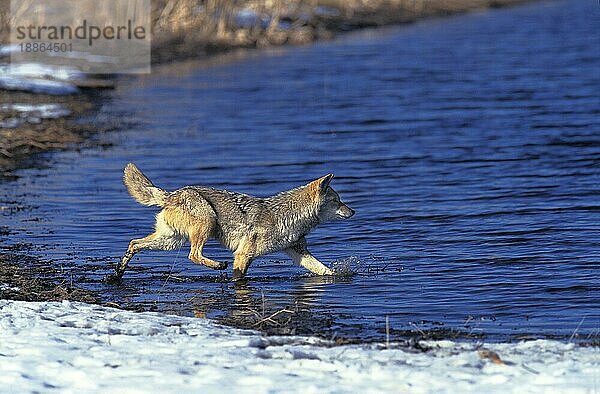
(329,203)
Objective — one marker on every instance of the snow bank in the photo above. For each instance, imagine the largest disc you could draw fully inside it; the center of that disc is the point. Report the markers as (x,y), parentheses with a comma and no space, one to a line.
(31,113)
(38,70)
(36,85)
(39,78)
(46,111)
(76,347)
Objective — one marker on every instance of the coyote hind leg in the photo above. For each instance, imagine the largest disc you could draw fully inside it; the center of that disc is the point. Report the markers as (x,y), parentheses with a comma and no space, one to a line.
(154,241)
(198,238)
(134,247)
(164,238)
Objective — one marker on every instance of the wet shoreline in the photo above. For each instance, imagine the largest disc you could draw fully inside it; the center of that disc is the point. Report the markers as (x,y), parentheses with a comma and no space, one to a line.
(20,145)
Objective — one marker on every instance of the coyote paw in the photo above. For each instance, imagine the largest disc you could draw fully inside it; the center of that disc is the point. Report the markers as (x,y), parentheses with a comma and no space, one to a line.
(237,275)
(113,279)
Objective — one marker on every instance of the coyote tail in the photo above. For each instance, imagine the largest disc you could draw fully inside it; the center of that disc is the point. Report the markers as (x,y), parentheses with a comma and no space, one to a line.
(141,188)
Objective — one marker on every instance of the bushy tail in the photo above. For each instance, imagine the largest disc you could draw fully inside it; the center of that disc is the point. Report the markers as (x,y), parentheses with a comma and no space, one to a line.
(141,188)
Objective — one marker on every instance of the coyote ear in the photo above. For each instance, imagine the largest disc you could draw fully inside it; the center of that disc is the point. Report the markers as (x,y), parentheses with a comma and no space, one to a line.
(319,186)
(323,182)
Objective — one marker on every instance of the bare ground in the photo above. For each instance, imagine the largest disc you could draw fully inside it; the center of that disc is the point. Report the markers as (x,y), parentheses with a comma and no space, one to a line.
(20,145)
(26,279)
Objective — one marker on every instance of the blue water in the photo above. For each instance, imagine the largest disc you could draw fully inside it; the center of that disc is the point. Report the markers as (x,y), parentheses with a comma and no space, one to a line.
(469,147)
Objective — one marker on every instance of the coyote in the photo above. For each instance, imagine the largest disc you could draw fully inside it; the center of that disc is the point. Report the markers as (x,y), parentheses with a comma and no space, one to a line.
(248,226)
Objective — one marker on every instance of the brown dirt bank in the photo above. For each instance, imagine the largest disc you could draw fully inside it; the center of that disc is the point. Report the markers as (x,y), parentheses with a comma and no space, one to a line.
(192,28)
(26,279)
(19,145)
(196,28)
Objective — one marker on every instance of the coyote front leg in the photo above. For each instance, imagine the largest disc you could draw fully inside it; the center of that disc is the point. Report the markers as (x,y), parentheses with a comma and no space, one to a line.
(301,256)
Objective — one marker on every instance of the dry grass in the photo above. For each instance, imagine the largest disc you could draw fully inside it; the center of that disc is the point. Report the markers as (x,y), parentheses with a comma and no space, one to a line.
(191,28)
(17,144)
(195,28)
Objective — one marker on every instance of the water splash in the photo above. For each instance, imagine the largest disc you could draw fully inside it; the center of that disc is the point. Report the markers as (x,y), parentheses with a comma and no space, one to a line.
(346,267)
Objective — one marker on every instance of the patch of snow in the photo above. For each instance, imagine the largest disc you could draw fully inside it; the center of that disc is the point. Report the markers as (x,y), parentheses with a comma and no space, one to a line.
(6,50)
(247,18)
(32,113)
(7,287)
(46,111)
(38,70)
(11,123)
(39,78)
(36,85)
(74,347)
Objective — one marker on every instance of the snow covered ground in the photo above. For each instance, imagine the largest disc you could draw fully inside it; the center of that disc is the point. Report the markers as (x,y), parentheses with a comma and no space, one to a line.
(74,347)
(39,78)
(32,113)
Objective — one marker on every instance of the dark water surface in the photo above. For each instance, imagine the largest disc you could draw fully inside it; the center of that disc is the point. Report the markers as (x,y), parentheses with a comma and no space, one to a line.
(469,147)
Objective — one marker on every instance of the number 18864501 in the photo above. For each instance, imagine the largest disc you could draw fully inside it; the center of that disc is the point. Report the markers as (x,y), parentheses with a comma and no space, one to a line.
(45,47)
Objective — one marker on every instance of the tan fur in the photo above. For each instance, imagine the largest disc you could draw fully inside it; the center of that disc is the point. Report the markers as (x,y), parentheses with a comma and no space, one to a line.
(317,186)
(249,226)
(140,187)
